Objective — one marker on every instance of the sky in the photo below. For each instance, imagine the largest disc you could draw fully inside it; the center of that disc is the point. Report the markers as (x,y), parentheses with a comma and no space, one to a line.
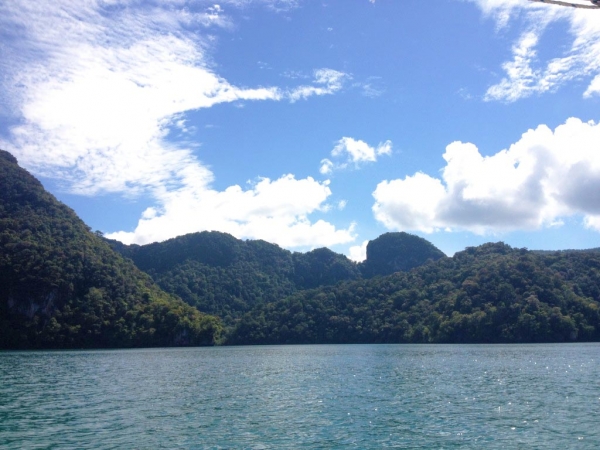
(310,123)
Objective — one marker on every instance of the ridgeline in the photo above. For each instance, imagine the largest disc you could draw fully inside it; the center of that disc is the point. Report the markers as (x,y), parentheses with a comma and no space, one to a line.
(487,294)
(61,286)
(227,277)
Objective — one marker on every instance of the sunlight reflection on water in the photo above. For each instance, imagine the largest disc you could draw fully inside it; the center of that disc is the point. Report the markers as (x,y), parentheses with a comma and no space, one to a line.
(360,396)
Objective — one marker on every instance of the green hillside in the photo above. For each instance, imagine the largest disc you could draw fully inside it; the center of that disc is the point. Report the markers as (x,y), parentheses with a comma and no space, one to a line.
(488,294)
(397,252)
(225,276)
(62,286)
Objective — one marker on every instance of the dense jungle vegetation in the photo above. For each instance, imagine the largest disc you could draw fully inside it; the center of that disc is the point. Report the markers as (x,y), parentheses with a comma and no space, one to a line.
(225,276)
(488,294)
(62,286)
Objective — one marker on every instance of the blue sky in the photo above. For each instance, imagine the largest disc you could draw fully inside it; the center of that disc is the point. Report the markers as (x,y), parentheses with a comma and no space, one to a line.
(310,123)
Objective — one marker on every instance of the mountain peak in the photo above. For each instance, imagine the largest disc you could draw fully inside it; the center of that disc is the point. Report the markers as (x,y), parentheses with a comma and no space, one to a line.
(398,251)
(63,287)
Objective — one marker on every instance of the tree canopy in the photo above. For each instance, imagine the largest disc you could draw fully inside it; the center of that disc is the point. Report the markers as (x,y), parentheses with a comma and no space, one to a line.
(62,286)
(488,294)
(225,276)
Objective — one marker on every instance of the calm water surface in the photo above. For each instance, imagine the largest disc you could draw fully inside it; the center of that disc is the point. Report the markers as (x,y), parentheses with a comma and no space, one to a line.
(351,396)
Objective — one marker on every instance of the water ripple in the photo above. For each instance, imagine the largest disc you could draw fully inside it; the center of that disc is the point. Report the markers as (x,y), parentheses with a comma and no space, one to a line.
(379,396)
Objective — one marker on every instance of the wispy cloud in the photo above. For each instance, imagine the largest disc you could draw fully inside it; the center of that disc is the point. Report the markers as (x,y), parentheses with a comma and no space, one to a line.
(94,88)
(521,80)
(526,74)
(99,87)
(353,152)
(275,5)
(372,87)
(541,179)
(327,81)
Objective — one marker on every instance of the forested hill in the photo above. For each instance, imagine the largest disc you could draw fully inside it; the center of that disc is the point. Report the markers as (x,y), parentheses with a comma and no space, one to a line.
(222,275)
(488,294)
(397,252)
(62,286)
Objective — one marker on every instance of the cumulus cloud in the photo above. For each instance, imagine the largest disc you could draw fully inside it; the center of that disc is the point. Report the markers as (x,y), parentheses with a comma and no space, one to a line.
(273,210)
(353,152)
(358,253)
(93,89)
(544,177)
(592,222)
(526,74)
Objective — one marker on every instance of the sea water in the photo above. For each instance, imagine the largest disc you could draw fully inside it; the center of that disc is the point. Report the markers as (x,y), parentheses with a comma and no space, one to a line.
(325,397)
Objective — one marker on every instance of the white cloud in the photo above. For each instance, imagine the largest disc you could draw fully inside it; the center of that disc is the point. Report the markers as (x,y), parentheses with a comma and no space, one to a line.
(354,152)
(276,211)
(360,151)
(275,5)
(501,10)
(327,166)
(544,177)
(521,79)
(372,87)
(328,81)
(358,253)
(95,87)
(526,74)
(99,90)
(593,222)
(593,88)
(409,204)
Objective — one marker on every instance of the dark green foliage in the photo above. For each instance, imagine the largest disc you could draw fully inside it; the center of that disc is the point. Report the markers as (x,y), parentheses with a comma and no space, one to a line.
(222,275)
(397,252)
(216,272)
(322,267)
(62,286)
(488,294)
(213,249)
